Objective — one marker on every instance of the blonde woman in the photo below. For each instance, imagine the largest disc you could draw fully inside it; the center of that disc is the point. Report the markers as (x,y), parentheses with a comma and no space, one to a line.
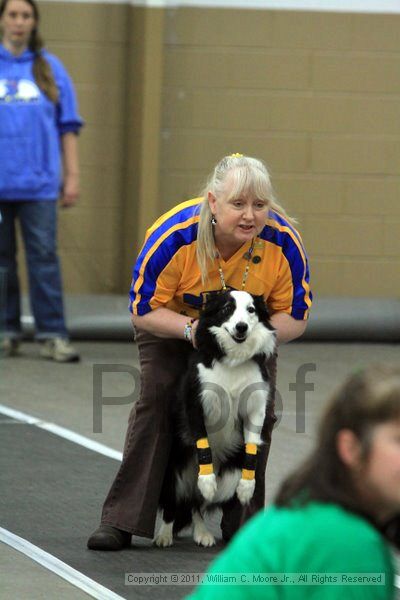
(234,236)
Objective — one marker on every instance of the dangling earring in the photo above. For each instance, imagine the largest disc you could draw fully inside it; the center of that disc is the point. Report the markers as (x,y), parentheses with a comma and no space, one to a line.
(213,220)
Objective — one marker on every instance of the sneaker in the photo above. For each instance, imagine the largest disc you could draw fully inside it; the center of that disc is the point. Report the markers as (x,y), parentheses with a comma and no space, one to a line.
(9,347)
(60,350)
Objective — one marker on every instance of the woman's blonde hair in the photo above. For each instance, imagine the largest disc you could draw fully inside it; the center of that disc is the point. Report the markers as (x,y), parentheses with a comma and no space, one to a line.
(249,176)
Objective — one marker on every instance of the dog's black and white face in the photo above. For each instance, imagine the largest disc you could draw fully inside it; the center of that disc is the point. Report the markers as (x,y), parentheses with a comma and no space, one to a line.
(238,324)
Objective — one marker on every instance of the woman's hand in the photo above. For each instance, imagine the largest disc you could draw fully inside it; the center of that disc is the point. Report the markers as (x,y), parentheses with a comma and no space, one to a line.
(70,190)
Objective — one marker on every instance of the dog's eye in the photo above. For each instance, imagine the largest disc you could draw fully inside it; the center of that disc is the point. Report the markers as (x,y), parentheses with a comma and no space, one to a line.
(251,309)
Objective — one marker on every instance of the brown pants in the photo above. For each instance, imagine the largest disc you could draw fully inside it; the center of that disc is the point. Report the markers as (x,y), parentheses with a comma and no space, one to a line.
(132,502)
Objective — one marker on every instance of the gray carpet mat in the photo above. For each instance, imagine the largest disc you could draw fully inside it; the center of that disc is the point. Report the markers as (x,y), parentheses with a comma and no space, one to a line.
(51,495)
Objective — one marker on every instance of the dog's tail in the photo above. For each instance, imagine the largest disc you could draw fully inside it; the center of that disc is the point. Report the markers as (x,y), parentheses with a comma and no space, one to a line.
(183,518)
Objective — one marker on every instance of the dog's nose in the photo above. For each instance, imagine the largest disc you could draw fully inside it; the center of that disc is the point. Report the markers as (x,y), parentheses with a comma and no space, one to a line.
(241,327)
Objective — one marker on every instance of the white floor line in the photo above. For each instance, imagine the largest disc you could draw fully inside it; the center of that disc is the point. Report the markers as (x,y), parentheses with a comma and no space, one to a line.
(68,434)
(58,567)
(40,556)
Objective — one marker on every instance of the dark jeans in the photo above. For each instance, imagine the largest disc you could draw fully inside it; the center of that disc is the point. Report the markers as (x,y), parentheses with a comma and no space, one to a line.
(132,502)
(38,221)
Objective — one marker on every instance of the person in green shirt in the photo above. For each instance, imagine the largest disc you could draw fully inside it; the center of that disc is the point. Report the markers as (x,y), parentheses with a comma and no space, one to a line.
(328,533)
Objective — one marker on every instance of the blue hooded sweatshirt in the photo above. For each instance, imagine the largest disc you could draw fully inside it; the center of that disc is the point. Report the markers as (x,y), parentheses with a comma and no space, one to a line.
(31,127)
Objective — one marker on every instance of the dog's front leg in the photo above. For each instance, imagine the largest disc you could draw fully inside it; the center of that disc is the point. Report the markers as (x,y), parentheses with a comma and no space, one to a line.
(253,420)
(247,482)
(206,480)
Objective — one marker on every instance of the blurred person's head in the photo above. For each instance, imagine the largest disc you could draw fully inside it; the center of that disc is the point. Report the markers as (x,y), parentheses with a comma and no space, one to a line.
(19,29)
(18,23)
(356,461)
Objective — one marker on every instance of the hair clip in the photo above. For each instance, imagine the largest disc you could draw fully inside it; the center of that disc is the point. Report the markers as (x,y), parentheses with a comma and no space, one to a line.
(236,155)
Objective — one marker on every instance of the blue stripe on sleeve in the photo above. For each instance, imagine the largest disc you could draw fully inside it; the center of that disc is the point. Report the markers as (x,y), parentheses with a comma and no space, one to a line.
(296,264)
(284,223)
(160,259)
(179,217)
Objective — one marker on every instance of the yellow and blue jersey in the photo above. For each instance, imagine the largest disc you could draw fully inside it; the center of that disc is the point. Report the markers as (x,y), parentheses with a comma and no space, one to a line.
(167,273)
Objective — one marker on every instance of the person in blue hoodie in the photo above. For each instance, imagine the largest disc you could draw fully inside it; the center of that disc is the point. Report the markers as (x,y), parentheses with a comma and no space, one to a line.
(39,123)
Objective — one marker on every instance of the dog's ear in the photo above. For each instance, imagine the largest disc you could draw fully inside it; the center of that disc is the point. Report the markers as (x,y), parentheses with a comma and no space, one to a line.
(261,308)
(214,302)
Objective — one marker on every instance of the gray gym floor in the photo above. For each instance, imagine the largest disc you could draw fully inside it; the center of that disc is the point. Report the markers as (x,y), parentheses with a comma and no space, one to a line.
(52,489)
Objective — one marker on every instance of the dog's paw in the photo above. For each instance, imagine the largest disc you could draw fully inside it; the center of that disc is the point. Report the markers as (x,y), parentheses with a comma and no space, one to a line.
(204,538)
(164,539)
(245,490)
(207,485)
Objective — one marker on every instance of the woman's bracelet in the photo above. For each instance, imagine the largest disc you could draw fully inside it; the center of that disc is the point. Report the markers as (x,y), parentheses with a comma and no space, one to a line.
(188,331)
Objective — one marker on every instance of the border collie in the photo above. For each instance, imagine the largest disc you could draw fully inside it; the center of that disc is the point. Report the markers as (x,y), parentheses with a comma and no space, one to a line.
(218,414)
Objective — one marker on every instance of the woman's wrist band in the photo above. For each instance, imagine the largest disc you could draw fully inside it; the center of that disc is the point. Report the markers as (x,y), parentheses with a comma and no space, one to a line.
(188,331)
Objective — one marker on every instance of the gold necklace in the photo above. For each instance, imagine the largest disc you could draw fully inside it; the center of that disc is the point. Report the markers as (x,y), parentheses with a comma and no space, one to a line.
(247,256)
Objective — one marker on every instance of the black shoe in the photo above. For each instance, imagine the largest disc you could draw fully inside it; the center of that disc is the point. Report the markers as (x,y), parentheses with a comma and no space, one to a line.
(109,538)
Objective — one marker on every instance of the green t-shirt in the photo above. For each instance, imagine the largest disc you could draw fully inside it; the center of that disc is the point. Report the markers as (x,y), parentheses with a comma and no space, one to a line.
(314,542)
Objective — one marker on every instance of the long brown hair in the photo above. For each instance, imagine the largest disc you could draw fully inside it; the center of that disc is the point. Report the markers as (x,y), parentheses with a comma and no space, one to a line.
(366,399)
(42,72)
